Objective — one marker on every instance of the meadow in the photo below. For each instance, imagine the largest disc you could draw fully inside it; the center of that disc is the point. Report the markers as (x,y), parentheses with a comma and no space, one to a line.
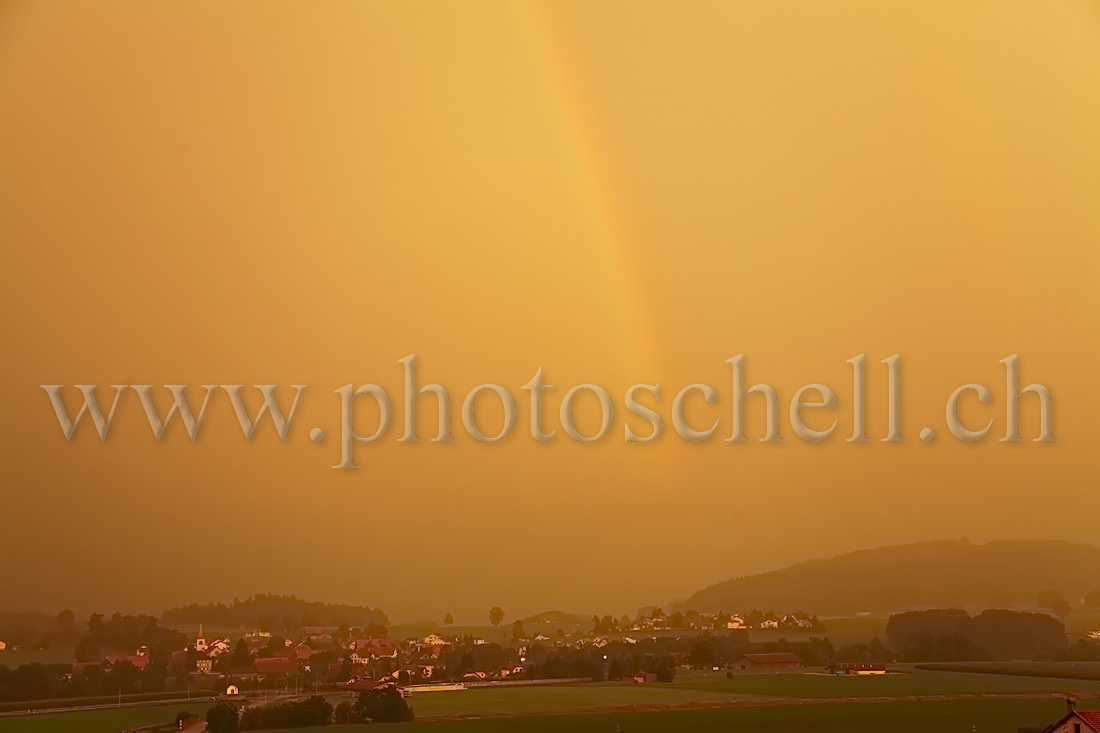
(98,721)
(710,688)
(602,706)
(925,717)
(1061,670)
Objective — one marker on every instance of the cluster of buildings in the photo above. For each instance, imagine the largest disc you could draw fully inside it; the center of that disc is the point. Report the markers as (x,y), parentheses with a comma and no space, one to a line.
(659,621)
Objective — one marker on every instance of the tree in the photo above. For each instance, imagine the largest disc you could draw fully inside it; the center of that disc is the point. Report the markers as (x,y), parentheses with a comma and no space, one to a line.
(313,711)
(517,631)
(448,619)
(496,615)
(66,621)
(1052,600)
(223,718)
(384,705)
(665,668)
(241,656)
(87,650)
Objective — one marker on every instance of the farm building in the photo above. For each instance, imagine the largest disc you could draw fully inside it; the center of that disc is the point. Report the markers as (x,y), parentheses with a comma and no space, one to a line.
(1076,721)
(775,661)
(860,669)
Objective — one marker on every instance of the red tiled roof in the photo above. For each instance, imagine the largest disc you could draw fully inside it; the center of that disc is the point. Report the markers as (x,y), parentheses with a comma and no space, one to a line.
(1091,718)
(275,665)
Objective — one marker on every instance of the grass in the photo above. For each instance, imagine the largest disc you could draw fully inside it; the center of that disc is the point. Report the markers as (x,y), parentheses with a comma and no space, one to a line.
(98,721)
(941,717)
(539,705)
(919,682)
(714,687)
(1060,670)
(559,698)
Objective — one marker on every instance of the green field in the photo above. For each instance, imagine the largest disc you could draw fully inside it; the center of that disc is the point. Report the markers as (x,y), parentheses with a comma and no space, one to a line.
(1064,670)
(559,698)
(919,682)
(709,688)
(595,703)
(925,717)
(98,721)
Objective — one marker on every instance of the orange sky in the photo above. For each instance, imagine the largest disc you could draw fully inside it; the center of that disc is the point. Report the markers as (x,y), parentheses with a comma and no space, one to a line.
(620,192)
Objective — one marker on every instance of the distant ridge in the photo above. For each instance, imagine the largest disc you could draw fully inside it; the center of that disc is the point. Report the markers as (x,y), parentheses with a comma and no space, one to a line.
(949,573)
(273,613)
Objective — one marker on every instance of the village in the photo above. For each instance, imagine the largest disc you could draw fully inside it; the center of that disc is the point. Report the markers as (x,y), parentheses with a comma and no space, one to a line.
(358,659)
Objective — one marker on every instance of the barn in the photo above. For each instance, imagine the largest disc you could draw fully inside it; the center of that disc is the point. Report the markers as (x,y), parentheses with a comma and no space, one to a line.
(771,662)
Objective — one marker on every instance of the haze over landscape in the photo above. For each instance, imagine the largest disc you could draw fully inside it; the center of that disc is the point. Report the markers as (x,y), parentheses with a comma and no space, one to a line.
(549,365)
(508,186)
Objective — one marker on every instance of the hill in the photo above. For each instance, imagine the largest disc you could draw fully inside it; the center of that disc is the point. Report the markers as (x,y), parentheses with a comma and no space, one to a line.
(950,573)
(273,613)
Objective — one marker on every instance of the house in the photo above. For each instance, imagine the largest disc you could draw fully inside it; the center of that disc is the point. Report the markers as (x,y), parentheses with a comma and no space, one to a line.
(641,677)
(372,642)
(769,623)
(81,669)
(303,652)
(138,661)
(542,637)
(384,652)
(232,691)
(361,685)
(203,664)
(736,622)
(511,669)
(275,665)
(476,675)
(860,669)
(1076,721)
(435,640)
(767,662)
